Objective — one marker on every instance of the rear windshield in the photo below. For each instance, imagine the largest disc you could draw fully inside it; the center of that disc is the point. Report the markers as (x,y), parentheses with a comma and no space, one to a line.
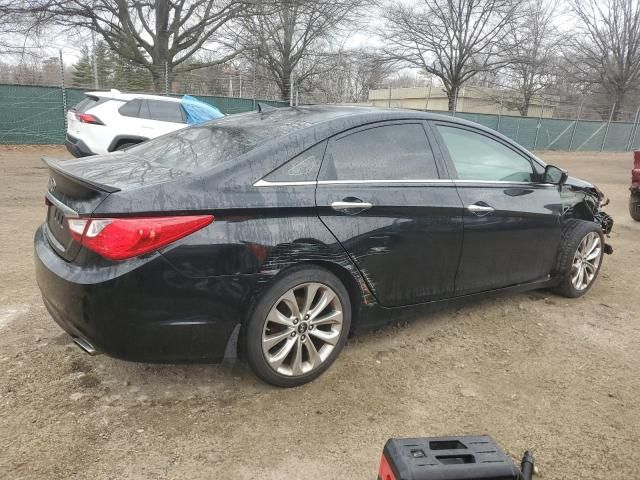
(186,151)
(88,103)
(205,146)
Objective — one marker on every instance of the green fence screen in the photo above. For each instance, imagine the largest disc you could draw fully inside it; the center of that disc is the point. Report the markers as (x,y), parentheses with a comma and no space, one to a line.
(35,115)
(561,134)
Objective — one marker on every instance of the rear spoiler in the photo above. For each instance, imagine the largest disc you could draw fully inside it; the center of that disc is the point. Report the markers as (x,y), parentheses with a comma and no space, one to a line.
(55,165)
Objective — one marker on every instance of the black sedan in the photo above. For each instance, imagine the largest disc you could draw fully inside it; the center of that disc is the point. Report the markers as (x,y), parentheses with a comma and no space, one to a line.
(278,233)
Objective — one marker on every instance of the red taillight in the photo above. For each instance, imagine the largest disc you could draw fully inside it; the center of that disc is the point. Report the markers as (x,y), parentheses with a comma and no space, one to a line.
(88,118)
(635,173)
(122,238)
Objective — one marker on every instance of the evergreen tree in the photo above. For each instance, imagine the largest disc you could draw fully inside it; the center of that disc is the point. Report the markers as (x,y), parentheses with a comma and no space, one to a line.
(105,65)
(82,75)
(127,76)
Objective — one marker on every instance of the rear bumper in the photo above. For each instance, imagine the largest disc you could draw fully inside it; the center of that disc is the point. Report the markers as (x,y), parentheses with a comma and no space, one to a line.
(142,311)
(77,147)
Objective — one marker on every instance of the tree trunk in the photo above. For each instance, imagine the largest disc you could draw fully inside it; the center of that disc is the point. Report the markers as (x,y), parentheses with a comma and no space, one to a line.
(158,76)
(452,97)
(285,85)
(618,106)
(524,107)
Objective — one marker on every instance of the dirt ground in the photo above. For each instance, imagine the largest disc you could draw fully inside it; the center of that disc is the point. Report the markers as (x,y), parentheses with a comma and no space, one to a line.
(534,370)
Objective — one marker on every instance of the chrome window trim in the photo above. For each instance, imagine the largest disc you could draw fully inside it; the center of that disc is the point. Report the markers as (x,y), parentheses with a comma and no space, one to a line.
(338,182)
(66,210)
(503,182)
(265,183)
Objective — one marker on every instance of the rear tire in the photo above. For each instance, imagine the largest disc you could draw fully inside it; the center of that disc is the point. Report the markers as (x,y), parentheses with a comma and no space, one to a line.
(634,206)
(298,327)
(579,257)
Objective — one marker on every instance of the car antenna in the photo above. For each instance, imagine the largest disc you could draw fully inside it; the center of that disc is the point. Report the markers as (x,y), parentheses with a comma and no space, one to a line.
(265,107)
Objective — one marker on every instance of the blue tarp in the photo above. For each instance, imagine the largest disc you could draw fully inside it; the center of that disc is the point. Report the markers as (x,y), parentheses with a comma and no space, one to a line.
(197,111)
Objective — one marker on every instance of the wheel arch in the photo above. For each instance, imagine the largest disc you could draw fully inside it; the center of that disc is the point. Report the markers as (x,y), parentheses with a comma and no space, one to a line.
(120,139)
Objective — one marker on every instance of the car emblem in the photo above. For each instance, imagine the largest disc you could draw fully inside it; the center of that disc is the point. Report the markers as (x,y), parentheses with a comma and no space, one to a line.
(52,184)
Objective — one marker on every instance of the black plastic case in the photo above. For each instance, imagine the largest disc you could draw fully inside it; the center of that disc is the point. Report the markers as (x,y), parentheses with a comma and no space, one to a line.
(447,458)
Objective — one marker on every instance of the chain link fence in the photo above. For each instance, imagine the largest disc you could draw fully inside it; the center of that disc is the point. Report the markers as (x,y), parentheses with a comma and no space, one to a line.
(36,114)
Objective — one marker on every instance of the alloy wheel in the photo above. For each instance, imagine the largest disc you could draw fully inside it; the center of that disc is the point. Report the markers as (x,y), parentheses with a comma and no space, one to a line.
(586,261)
(302,329)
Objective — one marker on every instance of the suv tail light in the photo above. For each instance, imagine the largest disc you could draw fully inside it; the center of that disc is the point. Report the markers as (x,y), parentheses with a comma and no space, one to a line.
(122,238)
(88,118)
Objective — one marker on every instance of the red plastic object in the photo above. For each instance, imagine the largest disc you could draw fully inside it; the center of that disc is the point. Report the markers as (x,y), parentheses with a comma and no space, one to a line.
(635,173)
(385,472)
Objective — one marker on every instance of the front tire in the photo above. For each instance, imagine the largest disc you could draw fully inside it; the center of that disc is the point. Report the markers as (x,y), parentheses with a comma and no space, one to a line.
(298,327)
(579,258)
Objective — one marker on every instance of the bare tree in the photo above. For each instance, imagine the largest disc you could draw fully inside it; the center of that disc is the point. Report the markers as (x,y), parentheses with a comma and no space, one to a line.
(164,36)
(605,49)
(16,31)
(287,41)
(370,71)
(535,45)
(352,74)
(453,40)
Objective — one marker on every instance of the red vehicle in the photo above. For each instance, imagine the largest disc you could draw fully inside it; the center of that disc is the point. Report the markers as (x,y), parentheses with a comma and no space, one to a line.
(634,199)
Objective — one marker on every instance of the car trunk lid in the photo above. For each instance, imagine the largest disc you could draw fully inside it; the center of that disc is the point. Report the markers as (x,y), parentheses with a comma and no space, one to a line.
(69,196)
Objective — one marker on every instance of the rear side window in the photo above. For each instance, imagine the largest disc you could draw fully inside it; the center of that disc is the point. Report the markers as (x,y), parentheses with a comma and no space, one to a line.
(388,152)
(131,108)
(478,157)
(301,168)
(164,111)
(87,103)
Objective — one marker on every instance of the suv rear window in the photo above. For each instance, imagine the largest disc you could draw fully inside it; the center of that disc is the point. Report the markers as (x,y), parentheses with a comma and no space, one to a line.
(131,108)
(87,103)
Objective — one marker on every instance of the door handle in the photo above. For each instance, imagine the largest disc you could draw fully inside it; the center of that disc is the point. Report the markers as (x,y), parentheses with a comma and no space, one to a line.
(480,210)
(352,205)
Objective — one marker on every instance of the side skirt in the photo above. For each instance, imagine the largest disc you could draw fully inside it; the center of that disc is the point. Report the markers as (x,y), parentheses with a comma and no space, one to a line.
(377,316)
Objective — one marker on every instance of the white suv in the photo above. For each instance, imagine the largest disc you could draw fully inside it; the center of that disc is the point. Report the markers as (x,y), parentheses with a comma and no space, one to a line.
(108,121)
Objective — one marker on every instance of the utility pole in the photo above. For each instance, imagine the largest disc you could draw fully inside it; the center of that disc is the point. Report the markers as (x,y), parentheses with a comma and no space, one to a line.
(291,91)
(535,140)
(500,112)
(255,67)
(96,82)
(64,92)
(606,130)
(166,79)
(634,129)
(575,125)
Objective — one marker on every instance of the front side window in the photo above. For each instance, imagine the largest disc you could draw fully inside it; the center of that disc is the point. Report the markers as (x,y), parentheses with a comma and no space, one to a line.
(478,157)
(389,152)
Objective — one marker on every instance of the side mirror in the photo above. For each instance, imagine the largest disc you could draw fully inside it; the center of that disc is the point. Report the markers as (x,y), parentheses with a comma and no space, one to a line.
(555,175)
